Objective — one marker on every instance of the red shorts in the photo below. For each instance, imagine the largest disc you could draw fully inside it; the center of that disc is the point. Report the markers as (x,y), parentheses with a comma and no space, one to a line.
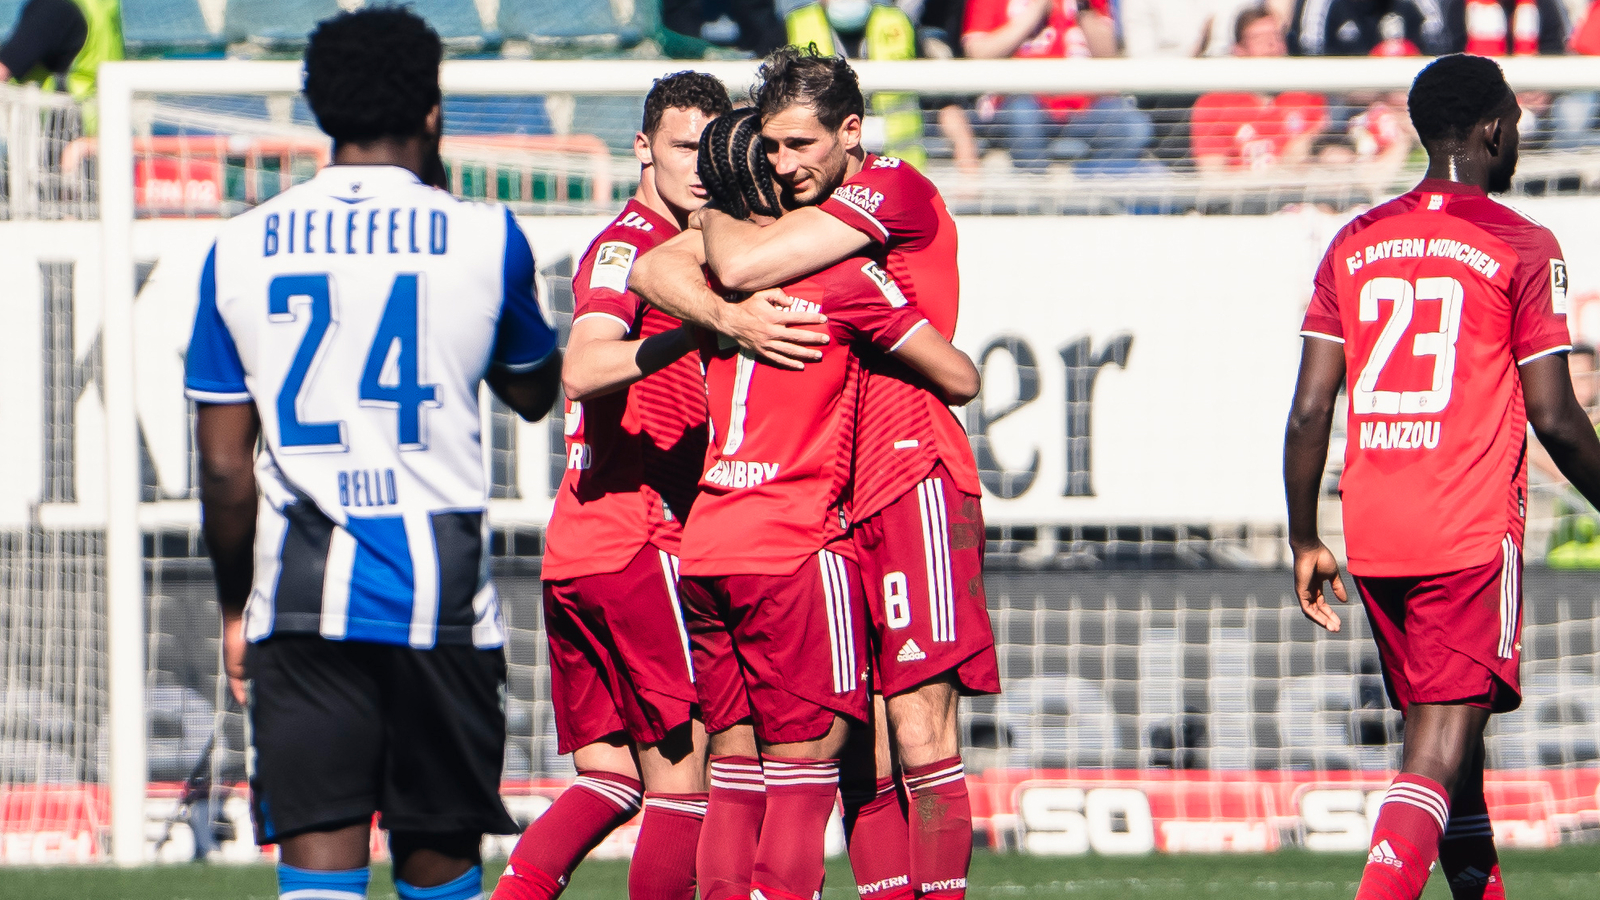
(619,656)
(1452,638)
(787,651)
(922,565)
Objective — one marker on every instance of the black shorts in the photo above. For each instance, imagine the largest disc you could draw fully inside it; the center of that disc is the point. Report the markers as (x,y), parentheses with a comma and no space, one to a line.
(345,729)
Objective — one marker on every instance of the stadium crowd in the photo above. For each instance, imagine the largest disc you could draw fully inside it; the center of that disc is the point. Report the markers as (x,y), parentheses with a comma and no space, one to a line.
(1217,135)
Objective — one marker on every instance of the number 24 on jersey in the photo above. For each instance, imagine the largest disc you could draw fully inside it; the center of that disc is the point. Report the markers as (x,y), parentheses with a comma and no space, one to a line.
(383,384)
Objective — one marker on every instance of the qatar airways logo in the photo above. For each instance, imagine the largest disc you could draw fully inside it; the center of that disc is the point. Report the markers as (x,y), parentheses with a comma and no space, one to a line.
(736,473)
(860,196)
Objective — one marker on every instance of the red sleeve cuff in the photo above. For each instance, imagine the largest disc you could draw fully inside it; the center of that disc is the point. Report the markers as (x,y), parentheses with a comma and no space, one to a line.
(620,306)
(1527,351)
(899,326)
(1324,326)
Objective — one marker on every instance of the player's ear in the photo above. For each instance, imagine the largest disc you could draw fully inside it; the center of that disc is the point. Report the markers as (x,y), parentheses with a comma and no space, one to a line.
(850,132)
(641,149)
(434,121)
(1493,135)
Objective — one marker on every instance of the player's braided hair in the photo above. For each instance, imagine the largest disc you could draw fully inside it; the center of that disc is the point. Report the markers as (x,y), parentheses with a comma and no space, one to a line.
(372,73)
(734,168)
(1453,94)
(684,90)
(827,84)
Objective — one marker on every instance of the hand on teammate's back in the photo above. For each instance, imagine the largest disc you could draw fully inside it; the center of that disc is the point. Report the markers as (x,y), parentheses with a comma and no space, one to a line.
(768,329)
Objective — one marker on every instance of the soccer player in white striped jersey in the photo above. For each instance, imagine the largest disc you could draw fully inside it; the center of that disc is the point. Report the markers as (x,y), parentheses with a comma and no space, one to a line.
(349,323)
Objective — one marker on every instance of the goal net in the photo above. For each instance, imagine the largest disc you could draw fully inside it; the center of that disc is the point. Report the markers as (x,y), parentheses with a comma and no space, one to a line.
(1135,256)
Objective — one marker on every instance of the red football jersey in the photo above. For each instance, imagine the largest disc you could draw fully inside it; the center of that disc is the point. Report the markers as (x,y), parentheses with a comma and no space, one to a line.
(778,466)
(1437,296)
(633,456)
(902,429)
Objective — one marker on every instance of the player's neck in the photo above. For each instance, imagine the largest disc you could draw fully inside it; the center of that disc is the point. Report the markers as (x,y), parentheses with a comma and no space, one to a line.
(1461,168)
(854,161)
(410,154)
(648,196)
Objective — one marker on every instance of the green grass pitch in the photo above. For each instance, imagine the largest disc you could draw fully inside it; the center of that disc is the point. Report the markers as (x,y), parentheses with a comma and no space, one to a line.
(1569,872)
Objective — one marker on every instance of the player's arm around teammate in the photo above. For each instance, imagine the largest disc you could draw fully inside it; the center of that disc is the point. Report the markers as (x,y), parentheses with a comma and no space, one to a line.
(1435,479)
(916,499)
(621,684)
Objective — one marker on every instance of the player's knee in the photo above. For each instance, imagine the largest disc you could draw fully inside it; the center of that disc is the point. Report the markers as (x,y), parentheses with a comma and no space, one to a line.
(924,724)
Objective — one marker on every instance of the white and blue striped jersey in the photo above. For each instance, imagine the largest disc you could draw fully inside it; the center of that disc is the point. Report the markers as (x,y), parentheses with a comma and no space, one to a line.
(359,312)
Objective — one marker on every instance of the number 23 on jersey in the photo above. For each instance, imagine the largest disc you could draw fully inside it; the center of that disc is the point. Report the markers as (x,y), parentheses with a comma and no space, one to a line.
(1399,304)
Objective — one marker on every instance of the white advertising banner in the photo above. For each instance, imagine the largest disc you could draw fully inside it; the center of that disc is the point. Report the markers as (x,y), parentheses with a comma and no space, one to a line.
(1137,370)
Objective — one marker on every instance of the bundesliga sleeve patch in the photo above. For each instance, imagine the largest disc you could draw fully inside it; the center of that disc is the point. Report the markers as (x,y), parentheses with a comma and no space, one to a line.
(886,285)
(612,264)
(1558,286)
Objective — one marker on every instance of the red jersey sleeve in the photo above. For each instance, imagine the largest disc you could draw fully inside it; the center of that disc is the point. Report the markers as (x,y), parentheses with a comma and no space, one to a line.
(865,301)
(1322,316)
(887,197)
(600,286)
(1538,296)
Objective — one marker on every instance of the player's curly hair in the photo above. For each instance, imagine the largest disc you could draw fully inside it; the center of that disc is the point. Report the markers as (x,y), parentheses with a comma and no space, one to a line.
(734,169)
(827,84)
(684,90)
(1454,93)
(372,74)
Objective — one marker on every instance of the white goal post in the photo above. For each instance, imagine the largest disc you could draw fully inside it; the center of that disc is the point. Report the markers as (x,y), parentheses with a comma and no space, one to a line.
(121,83)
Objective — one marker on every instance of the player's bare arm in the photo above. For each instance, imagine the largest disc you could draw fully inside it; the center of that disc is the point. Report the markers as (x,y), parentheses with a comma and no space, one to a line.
(953,375)
(670,278)
(601,359)
(1305,454)
(745,256)
(226,434)
(531,394)
(1561,424)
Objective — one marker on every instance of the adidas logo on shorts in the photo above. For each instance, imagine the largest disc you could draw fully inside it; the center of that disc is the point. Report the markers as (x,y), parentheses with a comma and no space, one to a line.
(1384,855)
(910,652)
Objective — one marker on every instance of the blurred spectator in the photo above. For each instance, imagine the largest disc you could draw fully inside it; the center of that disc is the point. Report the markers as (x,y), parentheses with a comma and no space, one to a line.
(1353,27)
(864,29)
(1509,27)
(1231,131)
(1586,37)
(1392,39)
(1104,134)
(1258,32)
(1178,28)
(1575,541)
(751,25)
(63,41)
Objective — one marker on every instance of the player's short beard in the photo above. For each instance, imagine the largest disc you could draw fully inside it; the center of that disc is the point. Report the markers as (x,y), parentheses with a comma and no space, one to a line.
(1501,172)
(825,187)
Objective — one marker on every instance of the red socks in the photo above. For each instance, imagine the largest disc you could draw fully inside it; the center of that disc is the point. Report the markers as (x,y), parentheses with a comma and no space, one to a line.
(663,859)
(727,851)
(1405,839)
(875,828)
(557,841)
(1466,852)
(800,795)
(941,829)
